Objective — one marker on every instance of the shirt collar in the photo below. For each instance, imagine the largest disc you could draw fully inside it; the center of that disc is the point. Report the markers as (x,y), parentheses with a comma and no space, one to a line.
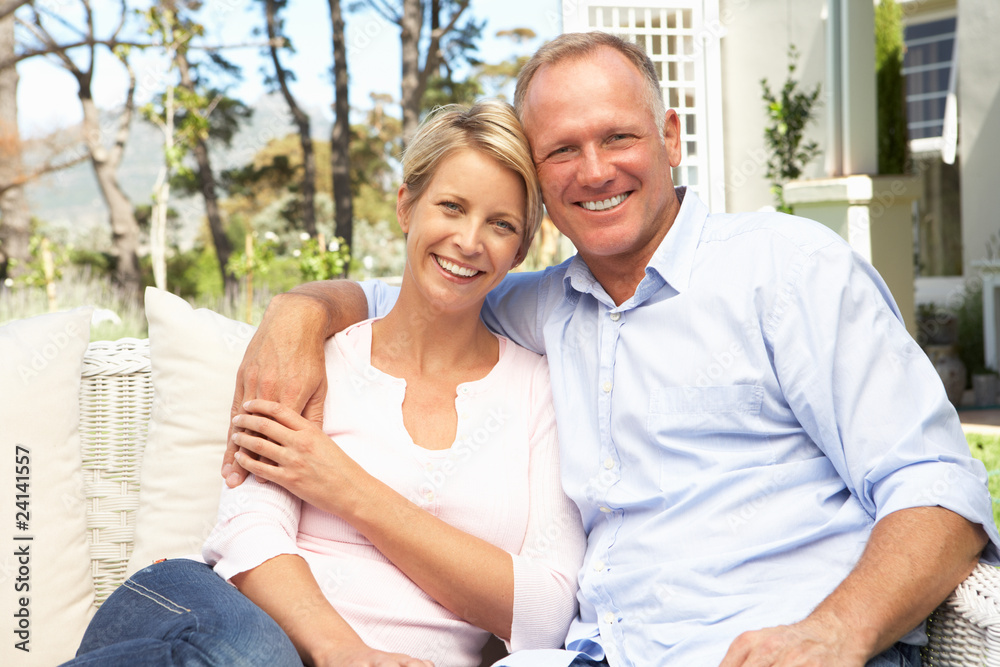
(672,260)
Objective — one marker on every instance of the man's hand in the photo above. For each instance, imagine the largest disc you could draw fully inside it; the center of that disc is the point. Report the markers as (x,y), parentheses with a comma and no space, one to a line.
(914,558)
(284,362)
(804,644)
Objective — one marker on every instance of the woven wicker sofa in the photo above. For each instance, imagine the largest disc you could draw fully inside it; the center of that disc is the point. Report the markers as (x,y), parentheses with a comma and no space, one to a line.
(115,403)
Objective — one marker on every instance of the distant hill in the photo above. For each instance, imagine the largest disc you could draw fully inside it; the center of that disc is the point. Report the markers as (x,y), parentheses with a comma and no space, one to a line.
(71,202)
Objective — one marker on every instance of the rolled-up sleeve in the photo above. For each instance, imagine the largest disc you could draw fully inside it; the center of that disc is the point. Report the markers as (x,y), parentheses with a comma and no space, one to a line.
(257,521)
(886,425)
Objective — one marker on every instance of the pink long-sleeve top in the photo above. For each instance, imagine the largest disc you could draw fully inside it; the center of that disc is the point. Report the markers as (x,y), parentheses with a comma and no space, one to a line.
(499,481)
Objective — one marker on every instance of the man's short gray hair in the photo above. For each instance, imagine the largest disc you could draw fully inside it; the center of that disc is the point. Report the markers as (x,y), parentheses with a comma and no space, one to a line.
(579,44)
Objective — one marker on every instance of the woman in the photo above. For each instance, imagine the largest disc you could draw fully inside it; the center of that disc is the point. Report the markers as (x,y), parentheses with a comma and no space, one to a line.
(427,513)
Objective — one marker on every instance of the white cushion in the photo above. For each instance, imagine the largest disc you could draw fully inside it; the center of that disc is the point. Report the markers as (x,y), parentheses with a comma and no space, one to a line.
(46,591)
(194,356)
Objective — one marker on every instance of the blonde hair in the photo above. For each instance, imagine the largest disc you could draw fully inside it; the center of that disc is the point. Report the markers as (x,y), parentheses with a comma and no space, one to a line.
(488,126)
(580,44)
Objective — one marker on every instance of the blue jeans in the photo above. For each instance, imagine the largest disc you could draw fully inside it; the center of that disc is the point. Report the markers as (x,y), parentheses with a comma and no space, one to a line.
(900,655)
(179,612)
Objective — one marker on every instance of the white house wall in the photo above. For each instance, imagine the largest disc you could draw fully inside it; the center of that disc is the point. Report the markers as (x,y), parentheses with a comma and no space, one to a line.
(755,46)
(979,125)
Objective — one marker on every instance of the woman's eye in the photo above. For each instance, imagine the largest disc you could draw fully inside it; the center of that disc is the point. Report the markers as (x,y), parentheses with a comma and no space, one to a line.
(451,206)
(503,224)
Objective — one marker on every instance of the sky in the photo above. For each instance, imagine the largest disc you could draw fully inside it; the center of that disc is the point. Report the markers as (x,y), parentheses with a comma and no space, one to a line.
(47,94)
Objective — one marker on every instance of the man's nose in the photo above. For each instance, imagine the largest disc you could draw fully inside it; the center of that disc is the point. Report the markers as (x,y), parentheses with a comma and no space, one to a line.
(595,169)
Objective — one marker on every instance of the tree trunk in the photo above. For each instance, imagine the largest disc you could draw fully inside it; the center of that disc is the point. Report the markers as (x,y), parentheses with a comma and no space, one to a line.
(340,135)
(206,180)
(223,247)
(15,228)
(124,227)
(411,91)
(301,122)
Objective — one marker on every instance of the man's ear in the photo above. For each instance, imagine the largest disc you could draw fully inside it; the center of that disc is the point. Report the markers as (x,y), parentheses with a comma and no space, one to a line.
(672,137)
(403,208)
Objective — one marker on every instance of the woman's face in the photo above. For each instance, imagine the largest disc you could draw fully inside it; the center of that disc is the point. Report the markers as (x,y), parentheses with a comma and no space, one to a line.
(464,232)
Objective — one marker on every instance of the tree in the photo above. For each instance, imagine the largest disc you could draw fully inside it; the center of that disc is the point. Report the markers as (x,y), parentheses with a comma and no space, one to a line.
(449,40)
(340,133)
(201,112)
(893,141)
(105,160)
(281,77)
(15,231)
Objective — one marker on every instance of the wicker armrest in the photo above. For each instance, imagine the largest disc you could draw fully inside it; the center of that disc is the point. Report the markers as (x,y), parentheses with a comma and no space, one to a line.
(965,630)
(116,395)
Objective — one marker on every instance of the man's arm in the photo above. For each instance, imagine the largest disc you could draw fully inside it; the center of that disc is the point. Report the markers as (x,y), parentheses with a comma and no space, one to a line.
(284,361)
(914,559)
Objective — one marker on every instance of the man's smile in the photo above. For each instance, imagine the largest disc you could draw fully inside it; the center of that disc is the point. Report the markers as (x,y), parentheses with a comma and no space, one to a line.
(604,204)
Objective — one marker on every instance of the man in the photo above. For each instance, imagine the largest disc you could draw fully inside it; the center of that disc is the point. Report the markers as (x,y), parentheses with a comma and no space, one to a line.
(767,466)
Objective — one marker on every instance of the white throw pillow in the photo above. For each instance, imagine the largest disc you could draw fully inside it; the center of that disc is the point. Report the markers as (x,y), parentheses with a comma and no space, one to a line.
(194,356)
(46,590)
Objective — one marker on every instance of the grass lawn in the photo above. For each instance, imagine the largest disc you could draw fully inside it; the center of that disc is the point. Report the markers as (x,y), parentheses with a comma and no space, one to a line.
(986,448)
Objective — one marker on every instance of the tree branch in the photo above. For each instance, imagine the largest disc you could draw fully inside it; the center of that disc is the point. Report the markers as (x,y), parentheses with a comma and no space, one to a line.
(125,121)
(42,35)
(433,56)
(48,167)
(385,10)
(8,7)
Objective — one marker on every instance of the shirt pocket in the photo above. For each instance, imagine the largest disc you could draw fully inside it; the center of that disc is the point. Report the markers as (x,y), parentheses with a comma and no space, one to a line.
(718,417)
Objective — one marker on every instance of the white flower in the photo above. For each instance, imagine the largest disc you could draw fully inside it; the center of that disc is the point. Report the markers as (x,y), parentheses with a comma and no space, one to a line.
(296,253)
(334,246)
(9,282)
(270,236)
(369,262)
(303,236)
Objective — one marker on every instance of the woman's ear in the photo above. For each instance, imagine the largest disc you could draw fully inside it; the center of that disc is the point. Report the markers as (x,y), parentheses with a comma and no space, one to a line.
(403,208)
(522,252)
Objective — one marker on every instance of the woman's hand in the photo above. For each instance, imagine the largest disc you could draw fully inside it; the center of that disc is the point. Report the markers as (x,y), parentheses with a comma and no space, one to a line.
(297,455)
(362,655)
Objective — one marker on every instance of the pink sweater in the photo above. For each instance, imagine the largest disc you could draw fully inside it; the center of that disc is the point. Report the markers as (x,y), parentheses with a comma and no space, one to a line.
(499,481)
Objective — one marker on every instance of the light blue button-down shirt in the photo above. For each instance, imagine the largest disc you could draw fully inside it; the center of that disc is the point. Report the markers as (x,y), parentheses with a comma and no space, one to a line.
(733,431)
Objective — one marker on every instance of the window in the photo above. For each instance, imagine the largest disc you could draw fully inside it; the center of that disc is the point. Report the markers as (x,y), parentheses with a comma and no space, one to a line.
(677,36)
(927,67)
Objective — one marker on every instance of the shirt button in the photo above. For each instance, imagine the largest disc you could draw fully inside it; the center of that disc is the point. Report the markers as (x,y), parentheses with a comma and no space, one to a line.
(428,496)
(615,317)
(606,510)
(606,387)
(609,463)
(609,617)
(598,566)
(463,390)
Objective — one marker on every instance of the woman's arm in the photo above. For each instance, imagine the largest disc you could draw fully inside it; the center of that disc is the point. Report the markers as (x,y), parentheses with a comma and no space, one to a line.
(286,589)
(253,545)
(468,576)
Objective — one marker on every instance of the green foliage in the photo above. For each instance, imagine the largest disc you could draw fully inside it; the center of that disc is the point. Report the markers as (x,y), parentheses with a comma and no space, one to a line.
(893,143)
(442,90)
(789,113)
(33,274)
(318,263)
(986,448)
(969,313)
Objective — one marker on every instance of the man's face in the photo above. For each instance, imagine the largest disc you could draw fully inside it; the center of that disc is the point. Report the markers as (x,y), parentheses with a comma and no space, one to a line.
(603,165)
